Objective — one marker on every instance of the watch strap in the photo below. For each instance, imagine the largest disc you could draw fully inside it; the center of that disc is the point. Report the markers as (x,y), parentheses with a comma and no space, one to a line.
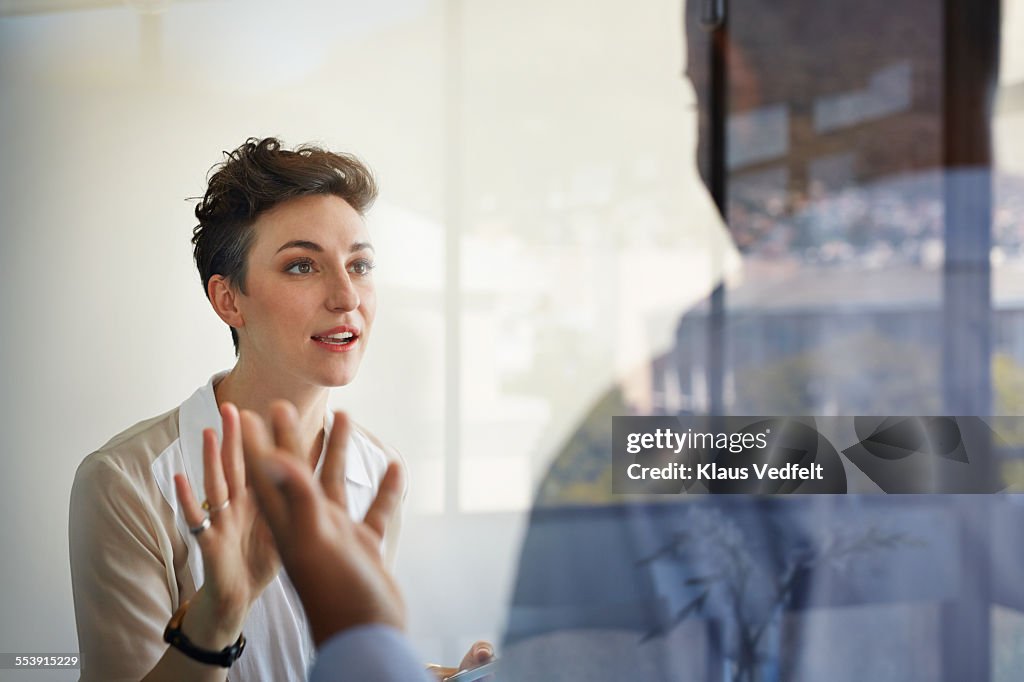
(177,639)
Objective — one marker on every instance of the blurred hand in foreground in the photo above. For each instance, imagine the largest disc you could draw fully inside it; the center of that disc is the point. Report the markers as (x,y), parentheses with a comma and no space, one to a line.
(334,562)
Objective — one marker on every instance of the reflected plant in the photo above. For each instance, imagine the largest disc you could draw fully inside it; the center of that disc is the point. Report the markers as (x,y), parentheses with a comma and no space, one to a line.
(747,592)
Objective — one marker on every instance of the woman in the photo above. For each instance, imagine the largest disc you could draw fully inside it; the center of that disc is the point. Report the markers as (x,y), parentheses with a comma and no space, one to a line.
(286,262)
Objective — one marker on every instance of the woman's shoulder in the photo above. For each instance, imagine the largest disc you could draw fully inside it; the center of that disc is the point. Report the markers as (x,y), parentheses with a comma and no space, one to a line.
(114,490)
(130,453)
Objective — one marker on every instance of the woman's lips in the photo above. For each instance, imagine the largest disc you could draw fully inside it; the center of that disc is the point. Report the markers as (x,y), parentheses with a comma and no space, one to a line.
(338,342)
(336,347)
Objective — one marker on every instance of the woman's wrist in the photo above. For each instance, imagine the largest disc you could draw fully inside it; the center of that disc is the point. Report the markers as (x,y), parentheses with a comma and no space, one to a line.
(213,623)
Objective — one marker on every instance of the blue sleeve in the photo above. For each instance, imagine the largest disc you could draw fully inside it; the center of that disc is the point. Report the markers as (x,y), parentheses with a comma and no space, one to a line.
(369,653)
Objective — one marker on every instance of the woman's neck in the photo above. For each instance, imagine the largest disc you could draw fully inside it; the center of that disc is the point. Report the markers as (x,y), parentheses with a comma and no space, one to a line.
(252,391)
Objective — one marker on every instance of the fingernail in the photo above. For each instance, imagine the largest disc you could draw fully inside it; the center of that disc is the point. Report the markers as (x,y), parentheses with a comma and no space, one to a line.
(484,652)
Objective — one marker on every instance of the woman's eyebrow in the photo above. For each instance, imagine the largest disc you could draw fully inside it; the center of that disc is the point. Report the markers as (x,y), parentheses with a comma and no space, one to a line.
(313,246)
(301,244)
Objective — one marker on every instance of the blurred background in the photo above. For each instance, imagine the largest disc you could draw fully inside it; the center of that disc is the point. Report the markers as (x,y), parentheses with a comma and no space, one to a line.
(550,235)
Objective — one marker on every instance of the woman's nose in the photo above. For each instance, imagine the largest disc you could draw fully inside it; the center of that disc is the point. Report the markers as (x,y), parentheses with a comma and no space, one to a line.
(342,294)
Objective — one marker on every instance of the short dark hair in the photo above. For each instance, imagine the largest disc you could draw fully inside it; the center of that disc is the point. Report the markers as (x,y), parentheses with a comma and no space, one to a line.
(254,178)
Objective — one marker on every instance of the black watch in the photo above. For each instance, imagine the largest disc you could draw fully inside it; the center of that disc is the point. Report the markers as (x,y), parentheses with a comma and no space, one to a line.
(176,638)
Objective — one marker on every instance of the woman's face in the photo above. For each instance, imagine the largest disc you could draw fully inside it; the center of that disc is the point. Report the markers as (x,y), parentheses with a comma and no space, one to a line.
(310,300)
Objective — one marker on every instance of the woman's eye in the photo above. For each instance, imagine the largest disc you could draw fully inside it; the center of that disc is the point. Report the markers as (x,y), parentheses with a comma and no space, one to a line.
(300,268)
(361,267)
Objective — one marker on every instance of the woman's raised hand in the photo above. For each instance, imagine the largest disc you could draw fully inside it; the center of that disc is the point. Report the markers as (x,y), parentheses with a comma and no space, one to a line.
(239,556)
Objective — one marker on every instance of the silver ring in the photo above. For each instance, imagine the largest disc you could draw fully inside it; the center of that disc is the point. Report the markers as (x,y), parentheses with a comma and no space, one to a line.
(201,527)
(220,507)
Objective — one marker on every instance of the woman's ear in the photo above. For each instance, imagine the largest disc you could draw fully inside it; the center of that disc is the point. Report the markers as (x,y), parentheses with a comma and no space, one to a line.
(224,299)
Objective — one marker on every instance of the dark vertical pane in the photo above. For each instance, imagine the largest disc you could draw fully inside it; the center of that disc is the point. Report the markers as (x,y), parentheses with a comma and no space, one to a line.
(835,194)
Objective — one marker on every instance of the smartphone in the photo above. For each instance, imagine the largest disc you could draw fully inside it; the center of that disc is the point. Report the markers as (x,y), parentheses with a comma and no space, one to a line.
(474,674)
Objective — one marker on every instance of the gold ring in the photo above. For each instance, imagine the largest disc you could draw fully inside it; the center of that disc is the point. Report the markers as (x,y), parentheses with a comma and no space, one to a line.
(219,507)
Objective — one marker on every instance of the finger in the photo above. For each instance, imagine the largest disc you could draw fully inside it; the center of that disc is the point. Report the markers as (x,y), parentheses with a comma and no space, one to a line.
(256,442)
(332,478)
(287,495)
(194,514)
(213,470)
(301,493)
(231,449)
(368,540)
(478,654)
(440,672)
(285,422)
(389,495)
(264,477)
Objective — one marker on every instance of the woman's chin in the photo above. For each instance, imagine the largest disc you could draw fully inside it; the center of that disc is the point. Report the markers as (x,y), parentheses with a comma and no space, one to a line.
(336,378)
